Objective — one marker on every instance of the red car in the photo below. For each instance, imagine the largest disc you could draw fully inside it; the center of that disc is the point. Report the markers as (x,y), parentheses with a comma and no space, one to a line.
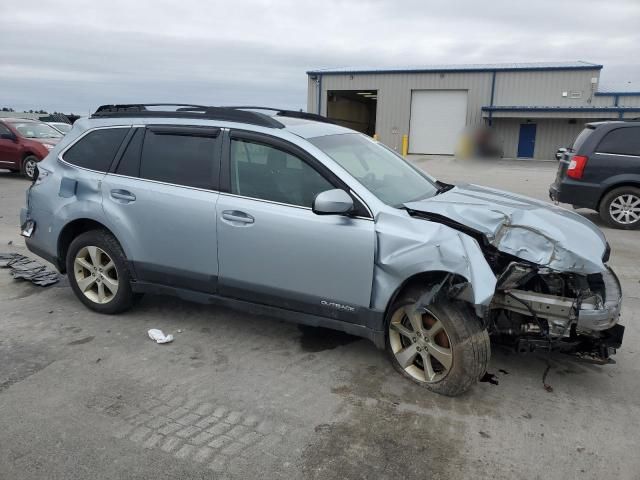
(24,142)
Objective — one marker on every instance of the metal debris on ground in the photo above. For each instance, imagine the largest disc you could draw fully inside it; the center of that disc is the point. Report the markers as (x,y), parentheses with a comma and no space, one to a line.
(546,386)
(24,268)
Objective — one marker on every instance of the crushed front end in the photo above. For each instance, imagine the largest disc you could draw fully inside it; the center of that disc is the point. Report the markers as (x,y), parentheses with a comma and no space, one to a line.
(554,290)
(535,308)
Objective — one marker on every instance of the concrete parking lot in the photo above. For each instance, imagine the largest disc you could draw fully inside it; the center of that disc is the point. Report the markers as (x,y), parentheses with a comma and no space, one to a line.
(238,396)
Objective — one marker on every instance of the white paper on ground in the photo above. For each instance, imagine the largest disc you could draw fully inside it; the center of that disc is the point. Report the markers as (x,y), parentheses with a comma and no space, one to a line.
(159,336)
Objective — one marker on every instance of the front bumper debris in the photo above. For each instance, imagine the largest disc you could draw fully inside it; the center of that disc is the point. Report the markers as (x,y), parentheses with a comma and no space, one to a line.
(591,315)
(606,315)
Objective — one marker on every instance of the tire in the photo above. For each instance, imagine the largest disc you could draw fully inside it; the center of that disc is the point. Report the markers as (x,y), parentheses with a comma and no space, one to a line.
(98,272)
(28,164)
(620,208)
(456,325)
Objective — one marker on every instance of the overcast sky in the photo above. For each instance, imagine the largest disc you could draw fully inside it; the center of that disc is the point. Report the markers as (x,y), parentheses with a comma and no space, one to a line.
(72,56)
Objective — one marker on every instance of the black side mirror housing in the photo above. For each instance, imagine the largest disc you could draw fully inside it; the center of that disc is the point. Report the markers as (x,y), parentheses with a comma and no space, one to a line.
(8,136)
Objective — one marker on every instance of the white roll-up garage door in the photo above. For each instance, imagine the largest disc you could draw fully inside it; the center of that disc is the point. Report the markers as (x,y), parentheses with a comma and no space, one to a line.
(438,117)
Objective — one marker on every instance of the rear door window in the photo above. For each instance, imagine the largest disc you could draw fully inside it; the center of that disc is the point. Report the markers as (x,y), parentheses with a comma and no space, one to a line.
(97,149)
(621,141)
(180,155)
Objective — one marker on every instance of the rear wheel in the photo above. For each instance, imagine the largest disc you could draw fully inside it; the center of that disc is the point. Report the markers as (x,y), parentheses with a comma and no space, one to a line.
(620,208)
(29,166)
(98,272)
(442,347)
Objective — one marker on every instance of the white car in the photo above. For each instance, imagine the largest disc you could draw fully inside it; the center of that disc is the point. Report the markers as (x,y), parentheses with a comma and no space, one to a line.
(62,127)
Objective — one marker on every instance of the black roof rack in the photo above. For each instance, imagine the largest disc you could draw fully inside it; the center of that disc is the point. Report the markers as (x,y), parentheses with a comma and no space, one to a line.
(242,114)
(290,113)
(182,110)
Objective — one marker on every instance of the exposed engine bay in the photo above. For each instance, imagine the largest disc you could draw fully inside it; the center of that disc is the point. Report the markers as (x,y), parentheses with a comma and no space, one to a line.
(536,308)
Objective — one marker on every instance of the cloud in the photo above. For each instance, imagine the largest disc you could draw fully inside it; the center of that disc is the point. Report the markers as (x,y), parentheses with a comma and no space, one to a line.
(75,55)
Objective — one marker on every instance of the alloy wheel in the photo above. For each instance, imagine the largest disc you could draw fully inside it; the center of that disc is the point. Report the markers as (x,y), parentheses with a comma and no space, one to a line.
(625,209)
(95,274)
(30,168)
(420,343)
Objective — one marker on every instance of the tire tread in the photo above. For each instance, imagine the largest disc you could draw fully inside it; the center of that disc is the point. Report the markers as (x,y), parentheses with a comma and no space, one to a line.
(474,346)
(125,297)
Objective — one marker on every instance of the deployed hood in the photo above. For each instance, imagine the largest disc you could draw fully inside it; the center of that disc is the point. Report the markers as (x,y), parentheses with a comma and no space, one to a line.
(529,229)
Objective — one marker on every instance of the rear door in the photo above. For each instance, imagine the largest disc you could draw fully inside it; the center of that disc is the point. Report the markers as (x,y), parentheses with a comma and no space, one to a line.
(618,153)
(161,198)
(273,249)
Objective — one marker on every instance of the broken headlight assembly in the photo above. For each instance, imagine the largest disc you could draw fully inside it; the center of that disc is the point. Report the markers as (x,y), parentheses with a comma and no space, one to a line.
(537,308)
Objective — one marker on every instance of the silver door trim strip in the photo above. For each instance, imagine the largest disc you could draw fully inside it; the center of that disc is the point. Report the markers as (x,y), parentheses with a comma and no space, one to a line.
(160,182)
(277,203)
(618,154)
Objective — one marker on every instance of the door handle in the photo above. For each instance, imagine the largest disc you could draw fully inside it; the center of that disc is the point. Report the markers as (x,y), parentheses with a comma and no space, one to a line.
(123,195)
(237,216)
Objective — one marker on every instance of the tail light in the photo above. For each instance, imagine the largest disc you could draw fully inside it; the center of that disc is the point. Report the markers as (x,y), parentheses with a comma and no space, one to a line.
(576,166)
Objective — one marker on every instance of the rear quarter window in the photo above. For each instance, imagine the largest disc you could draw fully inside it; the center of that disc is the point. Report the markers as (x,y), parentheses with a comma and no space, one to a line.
(621,141)
(97,149)
(581,138)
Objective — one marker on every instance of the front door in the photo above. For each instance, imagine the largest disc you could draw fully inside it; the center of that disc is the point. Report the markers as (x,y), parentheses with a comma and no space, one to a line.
(161,200)
(273,249)
(9,149)
(527,140)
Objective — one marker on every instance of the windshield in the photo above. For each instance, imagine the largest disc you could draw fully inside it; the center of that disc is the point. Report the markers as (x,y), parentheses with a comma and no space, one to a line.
(384,173)
(36,130)
(63,127)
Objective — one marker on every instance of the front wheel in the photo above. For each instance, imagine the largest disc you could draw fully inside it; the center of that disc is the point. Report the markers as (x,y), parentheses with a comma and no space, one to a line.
(442,347)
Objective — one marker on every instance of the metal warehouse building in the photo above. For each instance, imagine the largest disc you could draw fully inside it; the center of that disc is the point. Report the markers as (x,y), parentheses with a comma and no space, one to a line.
(533,108)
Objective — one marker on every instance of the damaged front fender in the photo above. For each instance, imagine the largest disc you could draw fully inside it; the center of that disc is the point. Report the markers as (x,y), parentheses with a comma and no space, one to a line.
(529,229)
(405,249)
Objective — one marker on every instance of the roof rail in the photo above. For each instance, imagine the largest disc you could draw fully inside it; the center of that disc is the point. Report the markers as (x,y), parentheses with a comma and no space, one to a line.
(182,110)
(289,113)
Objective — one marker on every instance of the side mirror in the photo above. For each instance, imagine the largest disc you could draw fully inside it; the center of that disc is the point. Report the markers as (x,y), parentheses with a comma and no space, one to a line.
(560,153)
(332,202)
(8,136)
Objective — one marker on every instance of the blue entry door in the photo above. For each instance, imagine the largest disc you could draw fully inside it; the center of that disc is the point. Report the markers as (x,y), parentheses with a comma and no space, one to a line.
(527,140)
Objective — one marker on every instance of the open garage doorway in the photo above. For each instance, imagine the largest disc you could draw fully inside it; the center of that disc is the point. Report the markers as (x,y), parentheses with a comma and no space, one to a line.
(355,109)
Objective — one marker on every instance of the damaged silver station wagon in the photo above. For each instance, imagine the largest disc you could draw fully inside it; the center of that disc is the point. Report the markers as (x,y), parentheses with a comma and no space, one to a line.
(284,213)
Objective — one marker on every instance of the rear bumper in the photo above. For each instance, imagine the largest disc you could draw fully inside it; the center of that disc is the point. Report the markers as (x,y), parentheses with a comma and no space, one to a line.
(33,240)
(577,193)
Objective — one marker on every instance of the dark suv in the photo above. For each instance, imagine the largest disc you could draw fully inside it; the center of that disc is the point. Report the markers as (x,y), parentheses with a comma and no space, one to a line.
(602,172)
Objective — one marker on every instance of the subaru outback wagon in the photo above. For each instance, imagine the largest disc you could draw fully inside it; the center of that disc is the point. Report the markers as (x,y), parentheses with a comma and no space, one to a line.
(284,213)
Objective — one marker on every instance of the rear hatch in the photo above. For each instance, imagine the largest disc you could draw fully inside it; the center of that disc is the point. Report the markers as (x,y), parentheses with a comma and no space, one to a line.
(564,162)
